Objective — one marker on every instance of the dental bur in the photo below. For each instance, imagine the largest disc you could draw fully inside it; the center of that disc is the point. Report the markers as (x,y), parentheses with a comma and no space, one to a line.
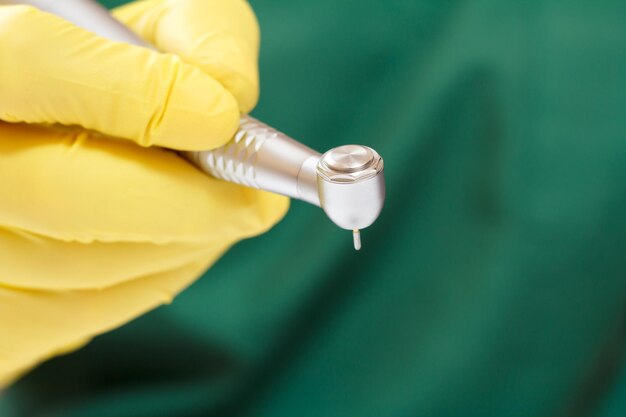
(347,182)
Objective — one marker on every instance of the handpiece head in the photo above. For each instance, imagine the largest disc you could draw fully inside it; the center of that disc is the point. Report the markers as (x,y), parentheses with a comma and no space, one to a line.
(351,187)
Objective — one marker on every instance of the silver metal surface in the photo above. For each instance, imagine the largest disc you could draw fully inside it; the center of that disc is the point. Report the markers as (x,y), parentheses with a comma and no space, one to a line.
(351,185)
(347,181)
(353,205)
(348,158)
(261,157)
(350,163)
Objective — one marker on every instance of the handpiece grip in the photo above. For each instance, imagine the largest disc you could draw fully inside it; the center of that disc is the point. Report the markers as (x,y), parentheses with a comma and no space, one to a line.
(261,157)
(347,182)
(257,156)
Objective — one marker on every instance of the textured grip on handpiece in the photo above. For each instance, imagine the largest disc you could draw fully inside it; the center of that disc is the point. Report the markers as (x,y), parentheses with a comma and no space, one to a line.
(261,157)
(236,161)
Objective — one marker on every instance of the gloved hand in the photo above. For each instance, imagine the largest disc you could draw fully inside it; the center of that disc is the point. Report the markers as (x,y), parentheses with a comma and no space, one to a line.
(96,226)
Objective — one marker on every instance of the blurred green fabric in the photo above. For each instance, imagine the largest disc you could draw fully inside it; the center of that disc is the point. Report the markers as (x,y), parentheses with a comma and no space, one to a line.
(494,282)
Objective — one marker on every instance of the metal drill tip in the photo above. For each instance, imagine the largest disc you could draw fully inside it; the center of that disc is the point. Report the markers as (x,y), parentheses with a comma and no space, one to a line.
(356,236)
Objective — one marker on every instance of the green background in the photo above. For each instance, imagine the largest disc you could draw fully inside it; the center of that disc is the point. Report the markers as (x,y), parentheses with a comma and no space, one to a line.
(493,283)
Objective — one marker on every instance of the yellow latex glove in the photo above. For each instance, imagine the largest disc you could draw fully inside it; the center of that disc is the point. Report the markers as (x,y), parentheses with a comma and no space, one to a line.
(95,231)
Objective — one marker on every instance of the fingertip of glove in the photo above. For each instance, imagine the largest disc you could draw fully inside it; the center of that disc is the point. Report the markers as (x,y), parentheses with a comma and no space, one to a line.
(247,95)
(192,111)
(278,208)
(219,37)
(269,209)
(198,130)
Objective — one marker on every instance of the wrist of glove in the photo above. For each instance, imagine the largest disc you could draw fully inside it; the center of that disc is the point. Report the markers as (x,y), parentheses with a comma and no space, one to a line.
(98,225)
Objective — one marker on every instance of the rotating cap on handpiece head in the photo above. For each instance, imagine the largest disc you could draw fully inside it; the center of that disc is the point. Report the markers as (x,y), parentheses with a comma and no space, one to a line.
(351,187)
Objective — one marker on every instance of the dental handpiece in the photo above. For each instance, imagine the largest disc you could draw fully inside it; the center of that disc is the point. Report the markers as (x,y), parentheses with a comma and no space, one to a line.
(347,182)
